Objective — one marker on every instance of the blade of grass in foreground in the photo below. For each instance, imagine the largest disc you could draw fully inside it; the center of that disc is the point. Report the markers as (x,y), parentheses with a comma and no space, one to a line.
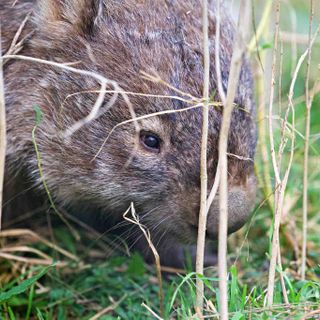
(23,286)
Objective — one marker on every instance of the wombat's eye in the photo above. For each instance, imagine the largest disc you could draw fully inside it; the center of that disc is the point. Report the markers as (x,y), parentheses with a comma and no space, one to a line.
(150,141)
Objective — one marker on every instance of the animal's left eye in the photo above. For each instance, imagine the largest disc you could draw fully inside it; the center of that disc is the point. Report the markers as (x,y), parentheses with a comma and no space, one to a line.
(150,141)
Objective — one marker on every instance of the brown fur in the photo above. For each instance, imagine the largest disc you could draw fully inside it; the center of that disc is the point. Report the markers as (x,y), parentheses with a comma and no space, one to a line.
(118,39)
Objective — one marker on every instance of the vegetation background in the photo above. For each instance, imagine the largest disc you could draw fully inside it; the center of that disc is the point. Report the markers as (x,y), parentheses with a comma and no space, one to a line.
(86,282)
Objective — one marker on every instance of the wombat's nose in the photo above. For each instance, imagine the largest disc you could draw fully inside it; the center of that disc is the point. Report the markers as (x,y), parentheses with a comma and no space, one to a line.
(241,201)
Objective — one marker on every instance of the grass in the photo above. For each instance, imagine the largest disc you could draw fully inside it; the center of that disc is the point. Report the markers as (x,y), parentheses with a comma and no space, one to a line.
(81,291)
(98,285)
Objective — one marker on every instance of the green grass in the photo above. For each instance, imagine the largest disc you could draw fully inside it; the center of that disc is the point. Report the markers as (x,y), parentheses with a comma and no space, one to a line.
(81,291)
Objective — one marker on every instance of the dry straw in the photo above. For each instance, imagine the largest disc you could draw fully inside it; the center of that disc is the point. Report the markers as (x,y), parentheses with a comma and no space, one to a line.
(228,102)
(282,181)
(135,220)
(309,99)
(203,165)
(3,138)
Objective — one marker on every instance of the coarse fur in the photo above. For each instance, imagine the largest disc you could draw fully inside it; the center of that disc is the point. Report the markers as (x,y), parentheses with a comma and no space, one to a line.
(119,39)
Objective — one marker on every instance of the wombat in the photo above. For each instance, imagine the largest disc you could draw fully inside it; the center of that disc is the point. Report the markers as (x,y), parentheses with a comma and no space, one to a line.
(158,168)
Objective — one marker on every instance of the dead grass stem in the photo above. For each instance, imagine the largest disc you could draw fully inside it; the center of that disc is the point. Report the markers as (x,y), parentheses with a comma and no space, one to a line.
(3,132)
(239,50)
(281,182)
(309,99)
(202,225)
(135,220)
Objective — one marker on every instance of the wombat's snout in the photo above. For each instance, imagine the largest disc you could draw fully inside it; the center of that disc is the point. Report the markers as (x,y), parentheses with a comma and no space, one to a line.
(241,201)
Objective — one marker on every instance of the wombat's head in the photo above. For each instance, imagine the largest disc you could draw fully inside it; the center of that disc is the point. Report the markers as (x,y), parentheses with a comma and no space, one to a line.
(158,167)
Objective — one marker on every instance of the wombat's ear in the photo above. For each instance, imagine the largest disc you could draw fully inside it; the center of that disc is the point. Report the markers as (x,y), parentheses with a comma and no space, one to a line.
(79,16)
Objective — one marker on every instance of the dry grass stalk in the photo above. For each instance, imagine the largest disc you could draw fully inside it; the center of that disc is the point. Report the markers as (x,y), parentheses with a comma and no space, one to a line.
(282,282)
(97,109)
(16,46)
(312,92)
(222,95)
(280,153)
(293,41)
(18,233)
(311,314)
(73,231)
(203,165)
(281,183)
(264,178)
(32,261)
(274,161)
(151,311)
(262,26)
(150,115)
(3,139)
(306,153)
(25,249)
(157,79)
(235,68)
(95,113)
(297,38)
(147,235)
(131,93)
(274,59)
(108,309)
(221,92)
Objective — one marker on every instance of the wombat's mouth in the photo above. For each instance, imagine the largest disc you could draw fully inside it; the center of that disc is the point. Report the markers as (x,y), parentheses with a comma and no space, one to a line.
(212,235)
(209,235)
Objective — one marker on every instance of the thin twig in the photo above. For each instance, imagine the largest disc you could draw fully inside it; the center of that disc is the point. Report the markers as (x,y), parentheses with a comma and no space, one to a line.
(262,25)
(26,249)
(3,138)
(222,95)
(235,68)
(97,109)
(32,261)
(135,220)
(25,232)
(157,79)
(15,46)
(203,165)
(147,116)
(73,231)
(283,142)
(310,314)
(274,60)
(151,311)
(282,183)
(262,143)
(282,282)
(301,39)
(108,309)
(275,240)
(306,153)
(294,42)
(131,93)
